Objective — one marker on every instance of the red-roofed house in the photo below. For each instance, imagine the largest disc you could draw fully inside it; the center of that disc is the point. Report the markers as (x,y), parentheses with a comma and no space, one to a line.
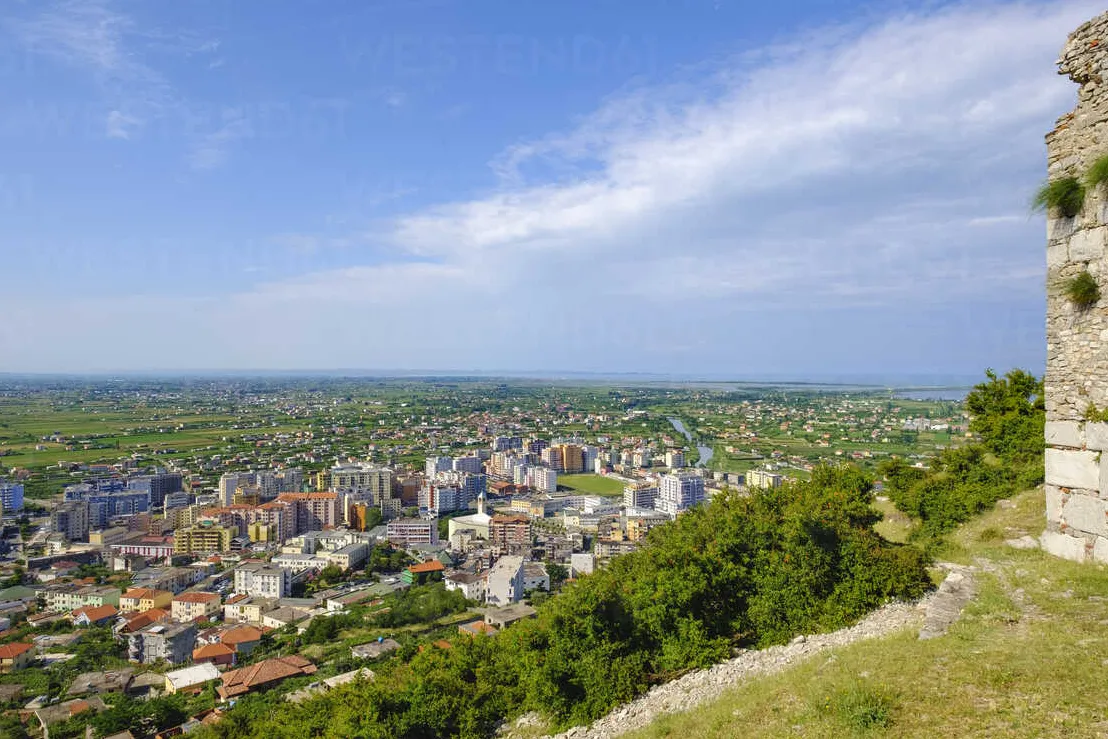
(133,623)
(143,599)
(423,572)
(263,674)
(243,639)
(219,655)
(94,615)
(16,656)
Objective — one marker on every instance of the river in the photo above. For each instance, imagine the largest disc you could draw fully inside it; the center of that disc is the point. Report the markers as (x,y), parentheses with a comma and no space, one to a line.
(706,452)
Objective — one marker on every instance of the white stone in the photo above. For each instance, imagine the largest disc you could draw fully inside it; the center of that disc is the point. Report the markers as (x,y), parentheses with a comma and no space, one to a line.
(1065,433)
(1060,545)
(1060,228)
(1088,244)
(1054,501)
(1100,549)
(1073,469)
(1057,254)
(1096,436)
(1086,514)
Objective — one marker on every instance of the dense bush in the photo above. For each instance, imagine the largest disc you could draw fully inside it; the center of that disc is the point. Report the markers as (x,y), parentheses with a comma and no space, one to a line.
(753,570)
(420,604)
(1008,416)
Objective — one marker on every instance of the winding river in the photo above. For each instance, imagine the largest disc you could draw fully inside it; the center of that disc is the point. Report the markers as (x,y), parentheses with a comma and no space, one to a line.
(706,452)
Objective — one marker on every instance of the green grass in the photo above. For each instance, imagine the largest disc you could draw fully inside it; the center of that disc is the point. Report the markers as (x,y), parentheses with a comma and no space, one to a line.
(1065,195)
(1082,290)
(1026,660)
(592,484)
(1097,174)
(894,526)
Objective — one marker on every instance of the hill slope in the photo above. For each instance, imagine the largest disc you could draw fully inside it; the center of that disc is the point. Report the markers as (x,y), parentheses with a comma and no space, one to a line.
(1027,659)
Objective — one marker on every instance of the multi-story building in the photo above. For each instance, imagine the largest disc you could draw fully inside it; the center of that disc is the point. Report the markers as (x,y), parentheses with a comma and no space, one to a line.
(505,582)
(314,511)
(763,479)
(406,532)
(172,643)
(573,458)
(543,479)
(470,463)
(143,599)
(71,519)
(350,556)
(203,538)
(510,534)
(290,481)
(640,495)
(69,597)
(435,465)
(262,581)
(157,485)
(552,458)
(193,606)
(103,507)
(441,497)
(11,497)
(642,458)
(678,492)
(675,459)
(375,483)
(228,483)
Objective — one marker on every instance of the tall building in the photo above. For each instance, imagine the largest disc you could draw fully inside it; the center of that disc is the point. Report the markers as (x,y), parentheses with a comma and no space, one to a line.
(543,479)
(435,465)
(11,497)
(471,464)
(678,492)
(573,458)
(510,534)
(314,511)
(263,581)
(158,485)
(203,538)
(552,458)
(675,459)
(290,481)
(71,519)
(640,495)
(228,483)
(762,479)
(374,482)
(405,532)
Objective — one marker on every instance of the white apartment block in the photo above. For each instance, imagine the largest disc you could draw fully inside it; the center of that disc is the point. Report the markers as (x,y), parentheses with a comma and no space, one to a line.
(263,581)
(642,495)
(679,492)
(505,582)
(542,479)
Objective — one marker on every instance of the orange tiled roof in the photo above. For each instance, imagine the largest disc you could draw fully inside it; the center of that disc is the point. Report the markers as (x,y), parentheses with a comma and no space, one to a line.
(13,650)
(144,593)
(196,598)
(431,565)
(144,619)
(211,651)
(243,680)
(96,613)
(241,635)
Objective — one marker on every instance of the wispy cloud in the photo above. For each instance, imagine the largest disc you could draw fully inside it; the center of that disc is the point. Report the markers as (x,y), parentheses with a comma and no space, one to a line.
(211,150)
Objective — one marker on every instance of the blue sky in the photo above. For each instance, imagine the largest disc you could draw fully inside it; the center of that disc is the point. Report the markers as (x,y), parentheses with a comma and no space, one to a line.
(673,186)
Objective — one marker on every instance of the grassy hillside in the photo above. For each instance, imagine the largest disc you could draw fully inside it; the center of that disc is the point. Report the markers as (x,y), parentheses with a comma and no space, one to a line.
(1027,659)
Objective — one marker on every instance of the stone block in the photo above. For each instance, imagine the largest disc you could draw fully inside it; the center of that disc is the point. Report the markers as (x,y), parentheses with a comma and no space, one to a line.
(1057,254)
(1100,550)
(1096,436)
(1060,228)
(1086,514)
(1070,468)
(1064,546)
(1088,244)
(1055,499)
(1065,433)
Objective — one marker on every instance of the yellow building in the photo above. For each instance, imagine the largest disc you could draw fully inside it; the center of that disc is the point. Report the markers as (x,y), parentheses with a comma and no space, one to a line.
(143,599)
(259,531)
(198,539)
(573,458)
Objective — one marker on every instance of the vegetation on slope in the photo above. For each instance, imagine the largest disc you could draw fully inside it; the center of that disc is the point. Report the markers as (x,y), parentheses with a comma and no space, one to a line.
(743,571)
(1008,416)
(1025,660)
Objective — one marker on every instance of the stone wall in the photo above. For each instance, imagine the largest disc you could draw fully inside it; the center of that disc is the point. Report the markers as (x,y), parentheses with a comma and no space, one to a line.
(1077,339)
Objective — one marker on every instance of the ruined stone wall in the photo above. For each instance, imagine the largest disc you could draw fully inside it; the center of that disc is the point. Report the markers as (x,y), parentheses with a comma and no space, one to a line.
(1077,339)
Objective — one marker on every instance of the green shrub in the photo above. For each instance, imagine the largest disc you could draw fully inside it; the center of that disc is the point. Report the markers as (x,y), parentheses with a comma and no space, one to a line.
(1092,414)
(1082,291)
(1065,195)
(990,533)
(1098,173)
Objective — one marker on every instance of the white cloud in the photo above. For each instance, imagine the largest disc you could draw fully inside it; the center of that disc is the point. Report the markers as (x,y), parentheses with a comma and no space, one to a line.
(877,168)
(211,150)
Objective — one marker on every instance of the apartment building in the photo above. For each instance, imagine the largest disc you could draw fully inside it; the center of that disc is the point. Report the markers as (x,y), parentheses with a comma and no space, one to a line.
(203,538)
(678,492)
(143,599)
(406,532)
(193,606)
(261,580)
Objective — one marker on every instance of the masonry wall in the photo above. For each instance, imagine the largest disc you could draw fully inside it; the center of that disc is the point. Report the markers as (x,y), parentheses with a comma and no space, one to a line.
(1077,340)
